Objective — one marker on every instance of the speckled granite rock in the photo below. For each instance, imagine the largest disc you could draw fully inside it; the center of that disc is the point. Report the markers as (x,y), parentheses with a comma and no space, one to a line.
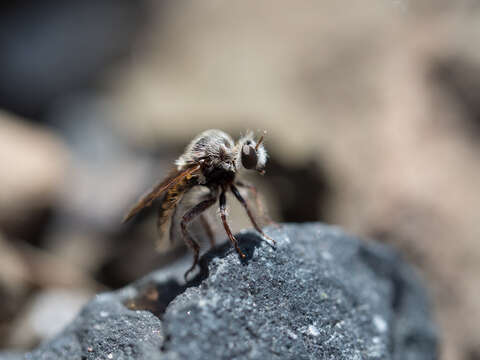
(320,294)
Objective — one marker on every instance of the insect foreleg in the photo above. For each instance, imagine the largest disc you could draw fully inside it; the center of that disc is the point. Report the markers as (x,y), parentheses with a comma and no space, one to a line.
(258,202)
(249,213)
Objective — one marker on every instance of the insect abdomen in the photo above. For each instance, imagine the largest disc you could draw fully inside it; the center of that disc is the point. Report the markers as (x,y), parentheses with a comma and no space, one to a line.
(170,201)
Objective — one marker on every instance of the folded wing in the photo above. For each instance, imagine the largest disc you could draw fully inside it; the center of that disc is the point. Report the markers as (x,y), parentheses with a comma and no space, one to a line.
(171,181)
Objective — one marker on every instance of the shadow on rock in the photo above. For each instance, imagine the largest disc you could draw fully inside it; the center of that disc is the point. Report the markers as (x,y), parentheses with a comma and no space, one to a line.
(155,297)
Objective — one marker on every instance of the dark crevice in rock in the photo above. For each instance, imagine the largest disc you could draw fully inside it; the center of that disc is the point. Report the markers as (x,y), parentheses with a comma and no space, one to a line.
(155,297)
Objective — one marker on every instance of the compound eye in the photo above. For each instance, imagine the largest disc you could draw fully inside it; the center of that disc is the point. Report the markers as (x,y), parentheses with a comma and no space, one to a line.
(249,157)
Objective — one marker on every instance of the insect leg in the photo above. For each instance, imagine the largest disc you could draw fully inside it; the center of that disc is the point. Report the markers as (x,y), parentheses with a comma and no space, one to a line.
(249,213)
(173,223)
(186,219)
(223,214)
(258,202)
(208,229)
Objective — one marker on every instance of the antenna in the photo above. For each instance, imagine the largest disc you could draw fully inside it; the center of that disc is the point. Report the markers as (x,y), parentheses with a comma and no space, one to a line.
(260,140)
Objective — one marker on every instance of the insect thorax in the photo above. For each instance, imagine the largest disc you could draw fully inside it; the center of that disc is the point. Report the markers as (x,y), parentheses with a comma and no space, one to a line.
(218,176)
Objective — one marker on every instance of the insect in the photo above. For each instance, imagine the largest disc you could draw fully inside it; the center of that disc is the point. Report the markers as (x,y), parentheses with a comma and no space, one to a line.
(211,160)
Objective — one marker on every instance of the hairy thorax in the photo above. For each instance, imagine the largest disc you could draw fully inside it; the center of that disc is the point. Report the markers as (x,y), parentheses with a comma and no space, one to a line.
(218,176)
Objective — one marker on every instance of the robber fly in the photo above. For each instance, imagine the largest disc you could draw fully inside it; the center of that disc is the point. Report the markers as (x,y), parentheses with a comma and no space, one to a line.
(211,160)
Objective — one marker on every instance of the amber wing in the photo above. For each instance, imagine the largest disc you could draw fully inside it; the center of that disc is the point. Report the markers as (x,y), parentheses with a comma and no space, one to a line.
(172,180)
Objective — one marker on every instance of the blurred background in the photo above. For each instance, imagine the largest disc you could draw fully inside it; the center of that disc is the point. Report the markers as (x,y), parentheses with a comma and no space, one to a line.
(373,118)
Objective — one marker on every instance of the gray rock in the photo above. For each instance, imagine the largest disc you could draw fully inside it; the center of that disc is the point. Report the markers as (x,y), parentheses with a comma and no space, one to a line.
(320,294)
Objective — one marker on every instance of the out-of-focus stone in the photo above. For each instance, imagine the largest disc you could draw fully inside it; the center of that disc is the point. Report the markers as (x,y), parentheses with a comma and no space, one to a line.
(106,174)
(46,315)
(33,163)
(14,271)
(48,52)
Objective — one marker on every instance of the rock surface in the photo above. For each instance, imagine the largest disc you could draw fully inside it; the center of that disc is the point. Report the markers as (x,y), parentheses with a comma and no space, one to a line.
(319,294)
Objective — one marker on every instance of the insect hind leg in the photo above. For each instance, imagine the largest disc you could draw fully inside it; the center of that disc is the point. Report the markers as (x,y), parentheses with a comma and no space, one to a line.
(188,217)
(208,229)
